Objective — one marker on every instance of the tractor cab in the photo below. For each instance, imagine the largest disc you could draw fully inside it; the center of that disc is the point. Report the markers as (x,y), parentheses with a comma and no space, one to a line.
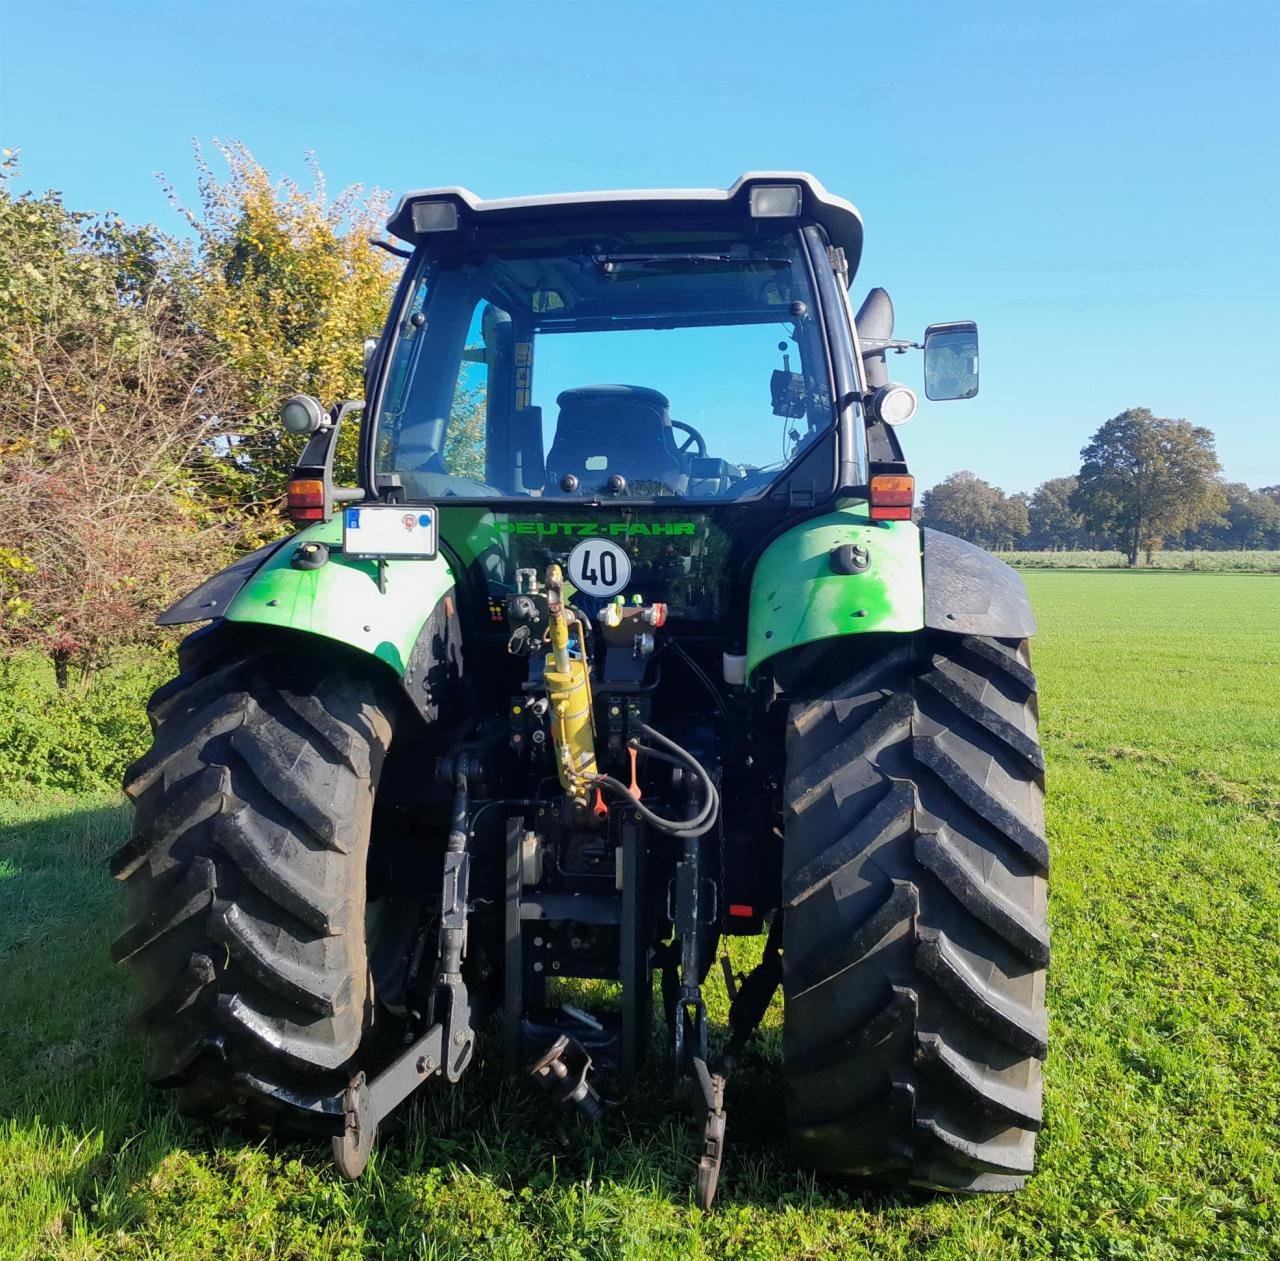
(596,363)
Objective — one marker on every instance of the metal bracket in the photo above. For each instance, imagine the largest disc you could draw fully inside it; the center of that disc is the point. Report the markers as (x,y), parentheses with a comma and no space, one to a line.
(449,1042)
(449,1005)
(562,1071)
(366,1103)
(712,1159)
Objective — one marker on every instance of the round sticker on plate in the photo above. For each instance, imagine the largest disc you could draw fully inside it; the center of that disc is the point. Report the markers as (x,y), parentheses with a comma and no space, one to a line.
(599,567)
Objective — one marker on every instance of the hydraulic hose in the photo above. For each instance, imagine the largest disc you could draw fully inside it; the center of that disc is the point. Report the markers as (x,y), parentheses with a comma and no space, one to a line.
(703,821)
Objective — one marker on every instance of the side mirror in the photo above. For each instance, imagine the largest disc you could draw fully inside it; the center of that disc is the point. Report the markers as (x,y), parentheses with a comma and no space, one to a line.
(951,360)
(370,353)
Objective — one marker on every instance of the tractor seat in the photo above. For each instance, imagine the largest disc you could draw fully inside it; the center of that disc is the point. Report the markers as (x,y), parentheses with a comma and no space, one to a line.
(606,429)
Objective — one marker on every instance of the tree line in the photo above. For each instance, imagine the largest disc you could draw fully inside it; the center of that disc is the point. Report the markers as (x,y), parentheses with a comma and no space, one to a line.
(1145,483)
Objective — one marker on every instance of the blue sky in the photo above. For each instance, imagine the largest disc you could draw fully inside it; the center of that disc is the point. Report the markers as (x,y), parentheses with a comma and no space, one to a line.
(1095,183)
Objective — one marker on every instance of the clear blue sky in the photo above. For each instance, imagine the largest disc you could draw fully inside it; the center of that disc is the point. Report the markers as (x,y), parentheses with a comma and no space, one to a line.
(1095,183)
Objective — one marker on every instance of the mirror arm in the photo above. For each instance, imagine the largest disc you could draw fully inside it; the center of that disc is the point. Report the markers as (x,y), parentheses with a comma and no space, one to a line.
(878,347)
(391,249)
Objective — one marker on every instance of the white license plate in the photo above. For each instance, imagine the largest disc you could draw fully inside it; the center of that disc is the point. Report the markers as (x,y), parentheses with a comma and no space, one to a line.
(394,530)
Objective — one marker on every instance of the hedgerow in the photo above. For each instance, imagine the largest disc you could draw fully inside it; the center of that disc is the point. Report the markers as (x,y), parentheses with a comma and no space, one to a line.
(1241,562)
(81,737)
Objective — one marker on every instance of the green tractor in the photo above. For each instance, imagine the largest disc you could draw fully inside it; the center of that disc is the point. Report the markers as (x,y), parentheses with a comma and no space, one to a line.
(626,643)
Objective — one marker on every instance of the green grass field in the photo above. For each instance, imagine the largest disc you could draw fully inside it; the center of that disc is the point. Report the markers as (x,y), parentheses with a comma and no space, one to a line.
(1161,719)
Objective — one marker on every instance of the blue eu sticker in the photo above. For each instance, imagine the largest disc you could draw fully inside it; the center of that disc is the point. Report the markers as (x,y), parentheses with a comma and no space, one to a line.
(424,519)
(353,518)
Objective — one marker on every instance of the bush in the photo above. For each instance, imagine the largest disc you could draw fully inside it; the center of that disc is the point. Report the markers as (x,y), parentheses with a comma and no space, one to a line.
(81,738)
(1239,562)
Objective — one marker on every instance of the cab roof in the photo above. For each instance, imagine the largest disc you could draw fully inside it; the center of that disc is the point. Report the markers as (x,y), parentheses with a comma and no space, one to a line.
(674,206)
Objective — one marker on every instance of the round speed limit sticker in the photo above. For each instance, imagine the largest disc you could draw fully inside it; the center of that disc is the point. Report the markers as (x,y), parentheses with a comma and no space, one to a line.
(599,567)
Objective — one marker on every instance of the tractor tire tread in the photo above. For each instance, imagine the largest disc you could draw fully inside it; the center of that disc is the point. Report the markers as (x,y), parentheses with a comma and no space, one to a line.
(245,874)
(914,900)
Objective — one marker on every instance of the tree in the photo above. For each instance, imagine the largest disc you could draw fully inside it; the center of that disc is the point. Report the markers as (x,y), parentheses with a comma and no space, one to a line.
(1053,522)
(1250,519)
(464,443)
(965,505)
(1143,478)
(1012,520)
(109,407)
(288,287)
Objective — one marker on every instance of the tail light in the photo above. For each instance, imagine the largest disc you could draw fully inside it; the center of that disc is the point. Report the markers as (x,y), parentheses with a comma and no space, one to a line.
(892,495)
(306,499)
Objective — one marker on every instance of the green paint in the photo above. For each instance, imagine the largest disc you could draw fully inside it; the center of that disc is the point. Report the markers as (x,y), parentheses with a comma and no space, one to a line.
(593,529)
(341,600)
(796,598)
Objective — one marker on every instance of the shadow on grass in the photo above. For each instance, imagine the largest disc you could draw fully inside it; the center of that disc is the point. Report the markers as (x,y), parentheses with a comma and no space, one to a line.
(86,1147)
(76,1104)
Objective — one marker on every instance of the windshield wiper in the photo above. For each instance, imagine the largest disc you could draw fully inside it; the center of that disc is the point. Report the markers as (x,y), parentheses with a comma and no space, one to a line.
(616,264)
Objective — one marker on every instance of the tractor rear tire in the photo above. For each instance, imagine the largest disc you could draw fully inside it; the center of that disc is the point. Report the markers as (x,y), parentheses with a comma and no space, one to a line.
(915,940)
(246,877)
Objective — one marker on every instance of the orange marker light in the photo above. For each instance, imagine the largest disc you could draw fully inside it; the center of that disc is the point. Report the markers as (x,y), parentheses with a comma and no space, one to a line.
(306,499)
(892,495)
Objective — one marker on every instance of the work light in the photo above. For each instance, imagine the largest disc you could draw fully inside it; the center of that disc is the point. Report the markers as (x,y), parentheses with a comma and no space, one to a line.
(893,404)
(302,414)
(775,201)
(435,216)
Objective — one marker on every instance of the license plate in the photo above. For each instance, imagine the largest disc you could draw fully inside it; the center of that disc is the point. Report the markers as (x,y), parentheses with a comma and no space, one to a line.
(389,530)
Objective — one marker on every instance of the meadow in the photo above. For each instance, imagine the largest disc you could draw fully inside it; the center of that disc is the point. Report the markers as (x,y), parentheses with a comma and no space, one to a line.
(1160,704)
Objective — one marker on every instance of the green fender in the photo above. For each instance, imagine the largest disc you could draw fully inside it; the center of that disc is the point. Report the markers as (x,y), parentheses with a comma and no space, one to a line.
(797,597)
(342,601)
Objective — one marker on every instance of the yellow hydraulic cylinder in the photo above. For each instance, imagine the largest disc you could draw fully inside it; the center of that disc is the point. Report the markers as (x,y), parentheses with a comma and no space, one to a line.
(569,691)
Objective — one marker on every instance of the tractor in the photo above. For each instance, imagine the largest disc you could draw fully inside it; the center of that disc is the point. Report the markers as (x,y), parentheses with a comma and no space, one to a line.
(626,643)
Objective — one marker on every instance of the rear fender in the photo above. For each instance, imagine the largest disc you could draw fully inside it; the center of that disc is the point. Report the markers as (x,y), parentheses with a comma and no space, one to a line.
(970,592)
(801,592)
(906,579)
(409,624)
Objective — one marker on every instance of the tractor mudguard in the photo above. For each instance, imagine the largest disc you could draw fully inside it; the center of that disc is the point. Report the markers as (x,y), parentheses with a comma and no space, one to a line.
(970,592)
(837,574)
(213,597)
(339,599)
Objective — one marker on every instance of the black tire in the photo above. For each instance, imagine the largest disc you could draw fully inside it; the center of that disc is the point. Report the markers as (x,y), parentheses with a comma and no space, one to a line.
(915,940)
(246,876)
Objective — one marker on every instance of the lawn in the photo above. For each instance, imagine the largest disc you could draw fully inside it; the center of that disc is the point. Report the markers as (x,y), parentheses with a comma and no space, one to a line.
(1160,704)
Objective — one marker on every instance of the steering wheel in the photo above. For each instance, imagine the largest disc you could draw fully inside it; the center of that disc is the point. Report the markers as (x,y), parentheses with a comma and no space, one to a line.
(694,439)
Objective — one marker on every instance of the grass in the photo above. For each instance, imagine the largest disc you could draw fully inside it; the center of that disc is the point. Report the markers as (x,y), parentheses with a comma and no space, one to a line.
(1245,562)
(1160,697)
